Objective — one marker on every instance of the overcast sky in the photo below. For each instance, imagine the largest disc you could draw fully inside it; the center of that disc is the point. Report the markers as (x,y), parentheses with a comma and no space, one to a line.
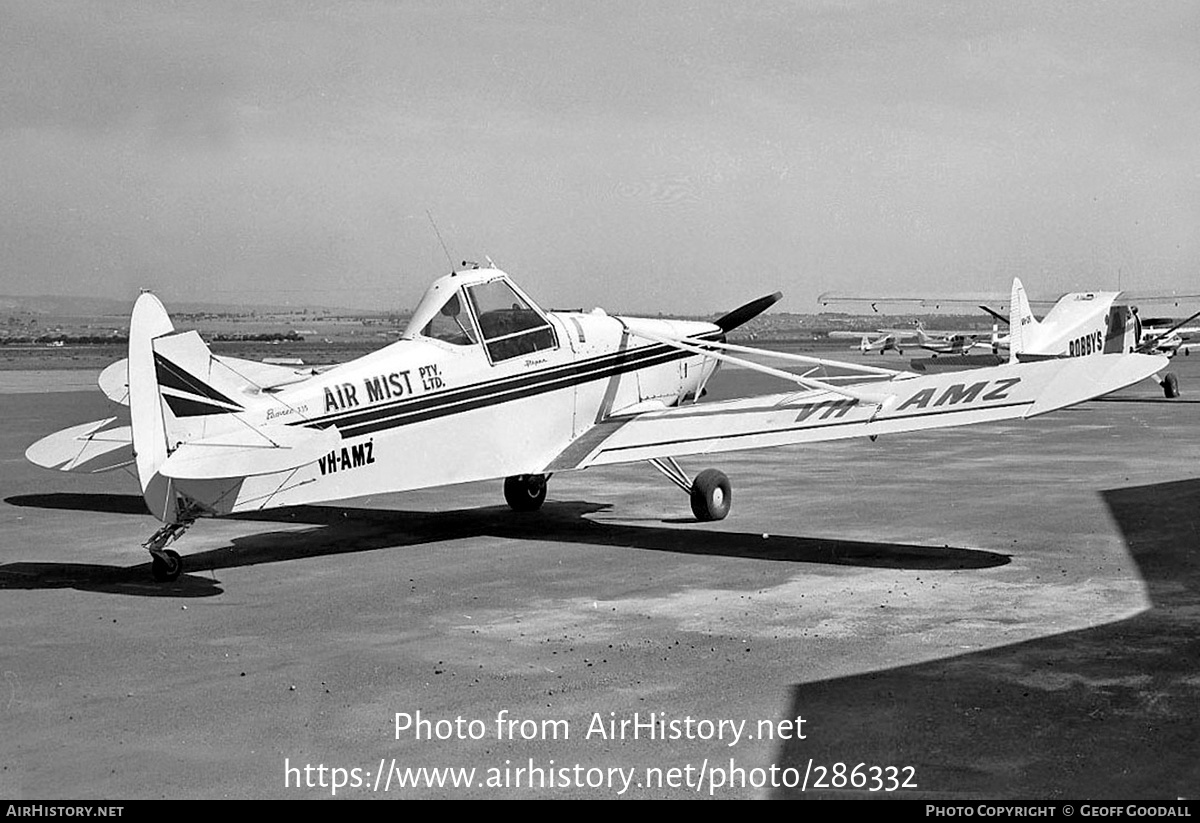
(661,156)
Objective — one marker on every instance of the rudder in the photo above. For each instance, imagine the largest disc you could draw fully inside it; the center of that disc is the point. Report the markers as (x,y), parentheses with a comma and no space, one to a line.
(1020,320)
(149,321)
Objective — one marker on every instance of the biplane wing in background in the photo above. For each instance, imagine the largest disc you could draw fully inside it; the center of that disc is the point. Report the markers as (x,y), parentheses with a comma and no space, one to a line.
(484,385)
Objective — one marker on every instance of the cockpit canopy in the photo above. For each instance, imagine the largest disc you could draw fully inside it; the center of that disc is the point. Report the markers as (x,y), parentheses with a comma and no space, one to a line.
(482,306)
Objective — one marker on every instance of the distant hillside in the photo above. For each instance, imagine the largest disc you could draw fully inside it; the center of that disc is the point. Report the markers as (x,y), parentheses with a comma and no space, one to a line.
(65,306)
(60,306)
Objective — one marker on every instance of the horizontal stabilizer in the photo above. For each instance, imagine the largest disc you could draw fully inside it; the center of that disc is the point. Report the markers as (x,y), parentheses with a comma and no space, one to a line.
(93,447)
(114,382)
(268,377)
(250,451)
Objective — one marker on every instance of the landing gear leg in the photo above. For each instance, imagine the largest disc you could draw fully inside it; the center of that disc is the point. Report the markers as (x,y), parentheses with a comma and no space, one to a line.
(710,493)
(166,564)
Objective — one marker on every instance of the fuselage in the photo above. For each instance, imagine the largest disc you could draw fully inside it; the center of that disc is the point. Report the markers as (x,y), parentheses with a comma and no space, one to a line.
(1078,325)
(483,384)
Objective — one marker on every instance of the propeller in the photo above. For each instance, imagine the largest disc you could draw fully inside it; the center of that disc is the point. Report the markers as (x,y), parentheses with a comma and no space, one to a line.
(747,312)
(997,315)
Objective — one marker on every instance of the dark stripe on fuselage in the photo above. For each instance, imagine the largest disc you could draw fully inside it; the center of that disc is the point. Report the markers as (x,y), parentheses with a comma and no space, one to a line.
(358,422)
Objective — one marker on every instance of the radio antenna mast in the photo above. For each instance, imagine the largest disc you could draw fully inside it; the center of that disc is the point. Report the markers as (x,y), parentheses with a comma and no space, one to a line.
(446,251)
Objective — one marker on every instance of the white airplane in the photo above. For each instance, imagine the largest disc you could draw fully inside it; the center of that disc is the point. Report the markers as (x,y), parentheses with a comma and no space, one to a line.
(483,385)
(950,342)
(1082,324)
(894,340)
(883,342)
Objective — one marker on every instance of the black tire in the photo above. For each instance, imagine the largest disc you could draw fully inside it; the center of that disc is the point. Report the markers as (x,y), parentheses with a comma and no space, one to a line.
(168,568)
(525,492)
(1170,384)
(711,495)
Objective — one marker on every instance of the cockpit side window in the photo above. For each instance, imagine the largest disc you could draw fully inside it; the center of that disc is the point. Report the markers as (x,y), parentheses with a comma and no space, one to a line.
(510,326)
(452,324)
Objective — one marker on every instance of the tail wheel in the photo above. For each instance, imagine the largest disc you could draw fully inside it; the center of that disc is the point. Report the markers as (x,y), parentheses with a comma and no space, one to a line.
(166,566)
(711,495)
(1170,384)
(525,492)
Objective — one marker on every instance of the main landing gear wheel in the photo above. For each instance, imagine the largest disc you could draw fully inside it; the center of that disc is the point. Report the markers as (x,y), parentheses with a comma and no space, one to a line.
(166,566)
(525,492)
(711,495)
(1170,384)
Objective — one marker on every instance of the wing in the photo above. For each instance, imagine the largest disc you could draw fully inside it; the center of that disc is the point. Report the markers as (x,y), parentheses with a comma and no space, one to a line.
(908,304)
(879,334)
(900,403)
(1188,302)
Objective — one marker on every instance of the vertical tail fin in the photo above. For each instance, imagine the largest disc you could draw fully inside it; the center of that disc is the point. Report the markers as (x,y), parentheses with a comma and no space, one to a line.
(149,321)
(1020,320)
(178,392)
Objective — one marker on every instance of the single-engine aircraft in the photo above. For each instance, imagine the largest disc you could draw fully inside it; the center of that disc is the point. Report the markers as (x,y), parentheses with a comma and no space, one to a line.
(950,342)
(882,342)
(1082,324)
(484,384)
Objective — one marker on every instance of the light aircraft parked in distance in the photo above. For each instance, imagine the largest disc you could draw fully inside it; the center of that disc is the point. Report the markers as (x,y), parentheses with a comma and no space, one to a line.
(938,342)
(882,342)
(1078,324)
(950,342)
(1161,335)
(484,384)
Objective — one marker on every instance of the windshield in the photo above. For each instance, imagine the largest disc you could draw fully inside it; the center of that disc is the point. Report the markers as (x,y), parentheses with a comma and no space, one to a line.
(510,326)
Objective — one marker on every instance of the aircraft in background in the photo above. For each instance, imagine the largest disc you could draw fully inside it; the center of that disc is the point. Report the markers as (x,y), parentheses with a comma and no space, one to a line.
(484,384)
(1077,325)
(939,342)
(1161,335)
(949,342)
(882,342)
(1082,324)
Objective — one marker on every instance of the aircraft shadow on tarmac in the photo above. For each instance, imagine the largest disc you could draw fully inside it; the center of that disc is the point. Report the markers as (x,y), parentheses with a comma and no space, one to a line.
(341,530)
(1106,712)
(1174,401)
